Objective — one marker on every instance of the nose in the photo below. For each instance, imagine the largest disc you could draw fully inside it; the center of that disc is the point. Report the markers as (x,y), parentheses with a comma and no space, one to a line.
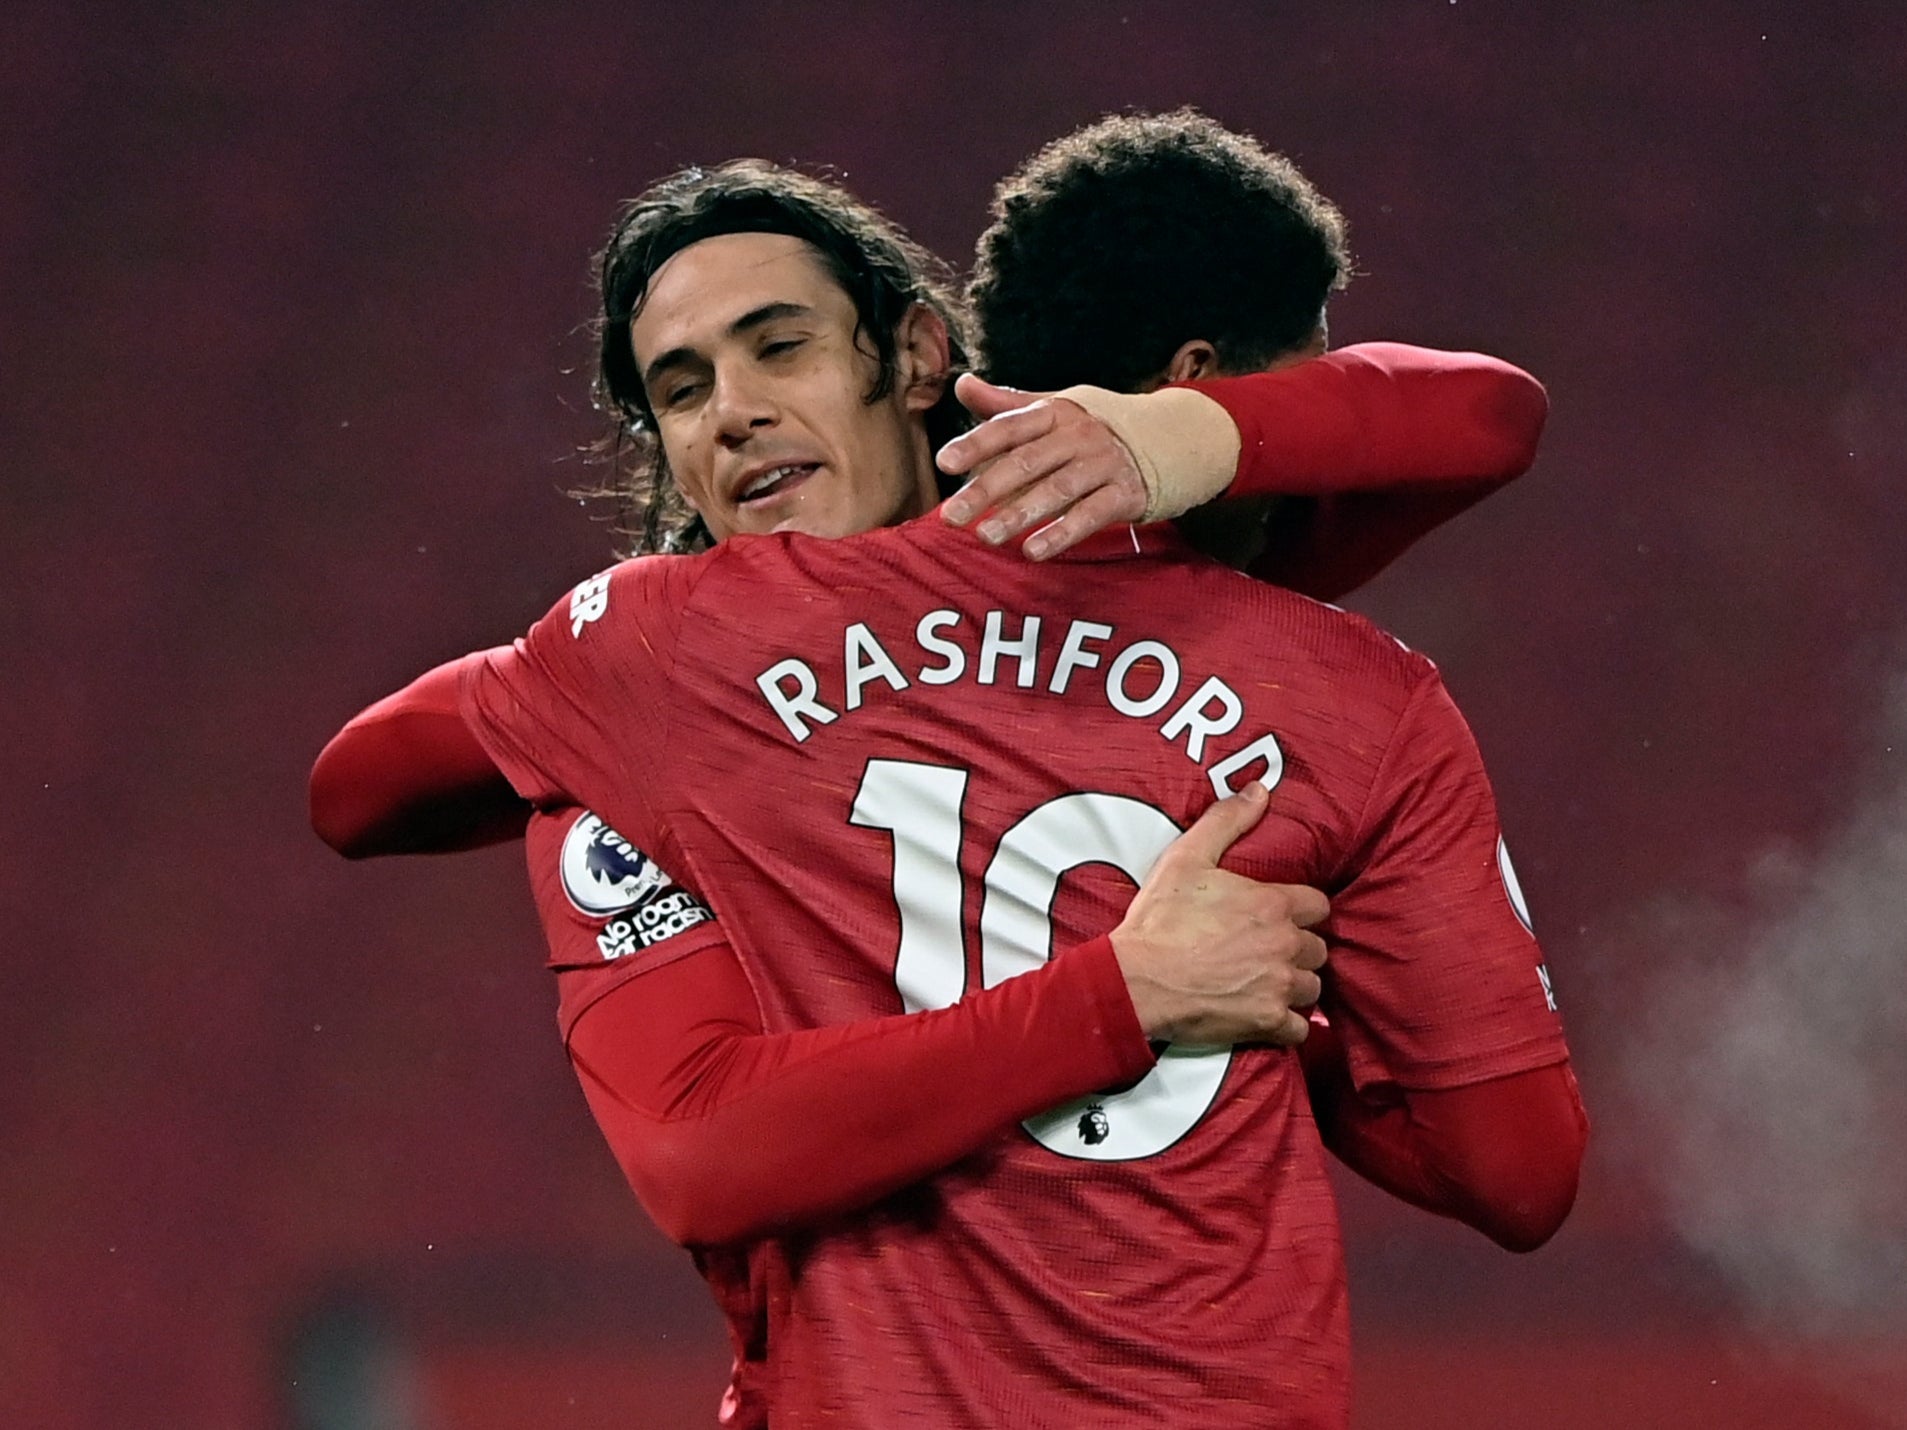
(742,407)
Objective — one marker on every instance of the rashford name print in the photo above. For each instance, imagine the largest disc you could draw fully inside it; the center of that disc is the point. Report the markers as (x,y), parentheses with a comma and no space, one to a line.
(1140,680)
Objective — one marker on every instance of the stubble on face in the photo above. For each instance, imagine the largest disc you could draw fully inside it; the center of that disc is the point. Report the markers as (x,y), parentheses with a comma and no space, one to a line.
(758,379)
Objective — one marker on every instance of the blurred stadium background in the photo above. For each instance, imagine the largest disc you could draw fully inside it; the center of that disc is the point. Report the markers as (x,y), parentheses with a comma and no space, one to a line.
(294,373)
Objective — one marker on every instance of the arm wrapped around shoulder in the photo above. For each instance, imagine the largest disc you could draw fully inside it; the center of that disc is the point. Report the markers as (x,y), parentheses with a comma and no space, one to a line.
(1185,444)
(407,776)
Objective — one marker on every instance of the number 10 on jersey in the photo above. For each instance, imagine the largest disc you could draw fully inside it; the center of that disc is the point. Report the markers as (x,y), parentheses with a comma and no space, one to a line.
(920,806)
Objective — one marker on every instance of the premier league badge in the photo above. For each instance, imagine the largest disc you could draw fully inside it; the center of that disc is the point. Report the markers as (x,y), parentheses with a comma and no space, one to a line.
(603,873)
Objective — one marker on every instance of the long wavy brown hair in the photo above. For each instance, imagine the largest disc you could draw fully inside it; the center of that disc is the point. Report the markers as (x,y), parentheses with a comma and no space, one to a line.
(878,266)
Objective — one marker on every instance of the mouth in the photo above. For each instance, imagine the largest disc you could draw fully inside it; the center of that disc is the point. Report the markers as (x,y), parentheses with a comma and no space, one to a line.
(765,486)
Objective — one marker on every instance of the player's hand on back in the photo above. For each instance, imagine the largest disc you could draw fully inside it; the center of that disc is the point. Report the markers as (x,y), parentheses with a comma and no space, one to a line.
(1213,957)
(1038,460)
(1057,465)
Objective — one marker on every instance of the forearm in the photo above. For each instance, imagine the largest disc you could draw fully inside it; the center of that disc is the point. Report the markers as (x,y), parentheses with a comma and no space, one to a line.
(740,1134)
(406,776)
(1362,452)
(1327,547)
(1380,417)
(1501,1156)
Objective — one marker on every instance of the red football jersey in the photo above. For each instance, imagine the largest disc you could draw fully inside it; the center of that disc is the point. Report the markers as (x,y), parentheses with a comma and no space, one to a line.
(924,763)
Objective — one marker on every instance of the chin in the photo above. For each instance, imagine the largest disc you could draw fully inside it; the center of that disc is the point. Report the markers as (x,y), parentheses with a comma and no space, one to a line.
(805,523)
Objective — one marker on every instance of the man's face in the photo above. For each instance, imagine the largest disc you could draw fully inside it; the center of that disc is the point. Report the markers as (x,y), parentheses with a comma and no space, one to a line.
(747,352)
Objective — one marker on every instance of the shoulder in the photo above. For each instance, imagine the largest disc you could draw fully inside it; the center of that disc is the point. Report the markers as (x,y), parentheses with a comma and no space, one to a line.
(1362,640)
(637,603)
(1342,644)
(633,587)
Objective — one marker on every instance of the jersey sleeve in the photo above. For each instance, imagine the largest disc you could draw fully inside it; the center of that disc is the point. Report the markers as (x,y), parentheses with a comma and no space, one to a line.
(726,1132)
(407,776)
(1435,979)
(1378,416)
(1502,1156)
(1370,448)
(572,708)
(609,911)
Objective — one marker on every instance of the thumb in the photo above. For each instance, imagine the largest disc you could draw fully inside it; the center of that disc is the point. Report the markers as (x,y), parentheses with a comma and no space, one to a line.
(986,399)
(1220,826)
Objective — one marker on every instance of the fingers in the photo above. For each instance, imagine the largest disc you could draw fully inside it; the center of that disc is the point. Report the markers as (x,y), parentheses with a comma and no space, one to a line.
(1292,1031)
(1306,989)
(1304,906)
(1221,825)
(1054,482)
(996,437)
(1024,487)
(1093,513)
(1312,953)
(1045,460)
(989,399)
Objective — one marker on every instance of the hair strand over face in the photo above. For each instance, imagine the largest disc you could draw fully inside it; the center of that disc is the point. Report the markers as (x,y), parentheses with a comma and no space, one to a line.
(884,273)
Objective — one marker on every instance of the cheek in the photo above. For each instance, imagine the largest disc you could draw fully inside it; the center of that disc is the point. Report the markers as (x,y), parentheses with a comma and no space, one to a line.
(882,459)
(687,462)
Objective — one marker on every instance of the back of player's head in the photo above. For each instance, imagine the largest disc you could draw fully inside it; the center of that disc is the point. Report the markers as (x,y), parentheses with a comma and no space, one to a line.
(878,266)
(1113,246)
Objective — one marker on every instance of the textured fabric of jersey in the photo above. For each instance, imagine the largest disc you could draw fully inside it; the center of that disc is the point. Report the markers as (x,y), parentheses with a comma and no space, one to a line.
(609,911)
(866,743)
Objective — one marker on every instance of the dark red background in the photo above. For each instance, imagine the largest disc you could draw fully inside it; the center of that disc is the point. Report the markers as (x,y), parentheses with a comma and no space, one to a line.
(292,375)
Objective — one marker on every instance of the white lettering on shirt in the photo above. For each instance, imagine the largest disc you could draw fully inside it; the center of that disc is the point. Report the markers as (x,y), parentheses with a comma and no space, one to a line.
(1191,720)
(1265,748)
(994,644)
(587,603)
(1164,657)
(1073,654)
(793,706)
(1196,724)
(865,659)
(953,655)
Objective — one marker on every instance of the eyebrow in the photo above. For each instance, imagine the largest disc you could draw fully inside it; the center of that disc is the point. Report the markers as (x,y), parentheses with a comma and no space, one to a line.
(753,318)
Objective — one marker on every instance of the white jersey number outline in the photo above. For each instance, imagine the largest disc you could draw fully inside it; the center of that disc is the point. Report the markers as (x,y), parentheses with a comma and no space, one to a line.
(920,806)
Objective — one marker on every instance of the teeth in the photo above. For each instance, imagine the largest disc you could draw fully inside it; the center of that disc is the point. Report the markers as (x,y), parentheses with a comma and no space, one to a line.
(768,479)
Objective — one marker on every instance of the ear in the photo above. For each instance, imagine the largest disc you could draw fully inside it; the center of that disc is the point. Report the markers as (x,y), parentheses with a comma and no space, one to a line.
(1194,360)
(922,355)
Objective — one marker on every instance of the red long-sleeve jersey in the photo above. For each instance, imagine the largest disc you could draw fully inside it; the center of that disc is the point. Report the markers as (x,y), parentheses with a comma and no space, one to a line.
(713,1124)
(1367,448)
(912,762)
(1371,447)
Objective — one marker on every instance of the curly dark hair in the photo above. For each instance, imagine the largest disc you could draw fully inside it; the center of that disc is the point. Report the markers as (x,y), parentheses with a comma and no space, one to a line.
(877,265)
(1115,245)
